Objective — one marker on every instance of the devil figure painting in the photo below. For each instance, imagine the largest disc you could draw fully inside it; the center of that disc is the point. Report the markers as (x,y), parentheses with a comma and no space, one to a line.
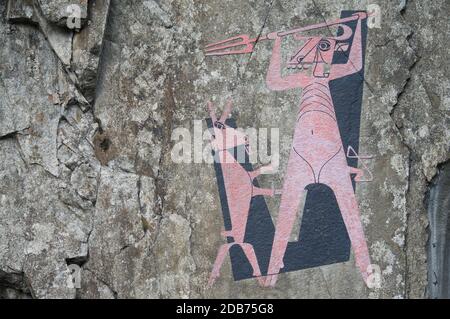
(321,168)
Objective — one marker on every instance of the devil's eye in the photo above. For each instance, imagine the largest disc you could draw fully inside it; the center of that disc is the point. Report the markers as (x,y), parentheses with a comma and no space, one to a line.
(324,45)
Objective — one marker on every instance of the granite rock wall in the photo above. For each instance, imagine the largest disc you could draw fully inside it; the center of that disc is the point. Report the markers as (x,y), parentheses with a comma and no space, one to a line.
(87,112)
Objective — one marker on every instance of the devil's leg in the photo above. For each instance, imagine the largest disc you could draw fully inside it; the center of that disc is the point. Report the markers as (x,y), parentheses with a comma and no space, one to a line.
(337,176)
(263,191)
(251,256)
(350,213)
(223,250)
(298,176)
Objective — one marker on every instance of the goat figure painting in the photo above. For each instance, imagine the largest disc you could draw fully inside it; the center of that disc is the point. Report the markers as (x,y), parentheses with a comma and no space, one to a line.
(321,168)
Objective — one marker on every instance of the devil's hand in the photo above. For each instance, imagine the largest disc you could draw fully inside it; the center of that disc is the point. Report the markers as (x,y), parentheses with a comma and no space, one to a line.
(361,15)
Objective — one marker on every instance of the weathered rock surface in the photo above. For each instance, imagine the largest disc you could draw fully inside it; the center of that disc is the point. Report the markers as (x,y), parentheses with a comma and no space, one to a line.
(86,119)
(87,48)
(21,11)
(59,11)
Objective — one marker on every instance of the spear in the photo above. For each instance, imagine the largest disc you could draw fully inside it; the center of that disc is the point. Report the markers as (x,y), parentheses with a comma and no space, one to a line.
(226,47)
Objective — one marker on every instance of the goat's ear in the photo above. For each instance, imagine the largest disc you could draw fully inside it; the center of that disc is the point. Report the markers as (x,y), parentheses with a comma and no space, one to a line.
(212,111)
(226,111)
(342,47)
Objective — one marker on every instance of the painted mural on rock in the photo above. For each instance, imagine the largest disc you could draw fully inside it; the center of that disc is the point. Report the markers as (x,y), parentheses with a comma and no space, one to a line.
(322,165)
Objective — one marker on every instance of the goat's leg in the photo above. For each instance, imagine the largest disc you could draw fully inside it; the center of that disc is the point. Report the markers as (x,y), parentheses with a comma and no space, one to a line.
(218,263)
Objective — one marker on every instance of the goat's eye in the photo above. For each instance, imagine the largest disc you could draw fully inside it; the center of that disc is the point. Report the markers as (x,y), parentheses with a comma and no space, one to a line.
(324,45)
(219,125)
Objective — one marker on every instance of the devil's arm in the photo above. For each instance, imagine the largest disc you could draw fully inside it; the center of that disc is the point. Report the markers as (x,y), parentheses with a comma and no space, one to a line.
(354,63)
(274,80)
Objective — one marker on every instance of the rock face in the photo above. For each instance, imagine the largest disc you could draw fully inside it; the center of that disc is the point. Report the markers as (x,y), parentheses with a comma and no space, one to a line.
(60,11)
(87,115)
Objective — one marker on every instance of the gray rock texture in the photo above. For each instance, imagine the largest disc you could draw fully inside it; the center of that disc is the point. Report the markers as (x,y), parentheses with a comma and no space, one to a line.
(86,122)
(59,11)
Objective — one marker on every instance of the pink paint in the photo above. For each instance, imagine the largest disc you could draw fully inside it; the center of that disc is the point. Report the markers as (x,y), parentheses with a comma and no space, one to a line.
(239,189)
